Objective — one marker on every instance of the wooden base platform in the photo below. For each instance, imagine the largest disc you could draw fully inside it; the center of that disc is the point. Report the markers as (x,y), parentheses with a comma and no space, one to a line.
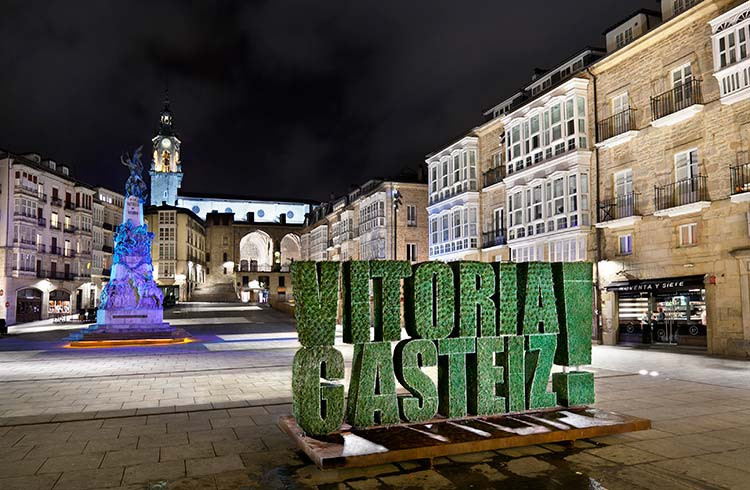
(441,437)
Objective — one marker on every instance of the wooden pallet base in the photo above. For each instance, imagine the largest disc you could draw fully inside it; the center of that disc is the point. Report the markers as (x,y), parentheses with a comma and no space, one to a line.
(441,437)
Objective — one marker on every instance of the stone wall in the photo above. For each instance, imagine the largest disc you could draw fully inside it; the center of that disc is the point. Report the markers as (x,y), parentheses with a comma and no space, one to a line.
(718,132)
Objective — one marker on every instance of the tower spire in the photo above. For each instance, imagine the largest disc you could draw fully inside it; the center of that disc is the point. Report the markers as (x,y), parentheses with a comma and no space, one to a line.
(166,120)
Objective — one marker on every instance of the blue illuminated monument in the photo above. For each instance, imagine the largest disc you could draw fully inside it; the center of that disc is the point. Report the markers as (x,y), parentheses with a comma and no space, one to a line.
(131,303)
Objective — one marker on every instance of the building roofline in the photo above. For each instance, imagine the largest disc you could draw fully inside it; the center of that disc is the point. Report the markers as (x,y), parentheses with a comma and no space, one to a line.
(648,12)
(234,197)
(27,161)
(166,207)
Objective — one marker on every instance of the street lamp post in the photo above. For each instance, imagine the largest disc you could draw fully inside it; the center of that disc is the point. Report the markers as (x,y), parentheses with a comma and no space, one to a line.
(396,195)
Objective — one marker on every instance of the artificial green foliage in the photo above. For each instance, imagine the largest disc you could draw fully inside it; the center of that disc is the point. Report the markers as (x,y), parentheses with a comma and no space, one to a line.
(539,310)
(452,374)
(356,308)
(372,391)
(429,317)
(574,290)
(386,290)
(540,356)
(574,388)
(513,388)
(409,358)
(475,292)
(316,292)
(318,408)
(487,378)
(507,289)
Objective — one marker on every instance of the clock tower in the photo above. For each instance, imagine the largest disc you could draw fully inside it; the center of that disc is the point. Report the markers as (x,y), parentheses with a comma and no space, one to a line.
(166,169)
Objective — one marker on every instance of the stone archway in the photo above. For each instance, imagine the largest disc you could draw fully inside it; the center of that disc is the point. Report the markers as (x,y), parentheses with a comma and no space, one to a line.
(290,250)
(256,248)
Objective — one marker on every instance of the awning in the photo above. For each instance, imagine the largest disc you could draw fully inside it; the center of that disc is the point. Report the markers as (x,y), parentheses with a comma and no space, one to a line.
(655,285)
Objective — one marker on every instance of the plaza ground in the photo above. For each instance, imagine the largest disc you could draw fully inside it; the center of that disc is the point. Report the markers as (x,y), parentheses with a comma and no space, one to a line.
(203,415)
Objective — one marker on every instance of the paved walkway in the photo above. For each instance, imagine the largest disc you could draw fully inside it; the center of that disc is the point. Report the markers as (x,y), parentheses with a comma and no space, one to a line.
(203,415)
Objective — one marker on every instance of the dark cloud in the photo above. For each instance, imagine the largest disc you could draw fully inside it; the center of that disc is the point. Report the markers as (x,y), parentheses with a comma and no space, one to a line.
(282,97)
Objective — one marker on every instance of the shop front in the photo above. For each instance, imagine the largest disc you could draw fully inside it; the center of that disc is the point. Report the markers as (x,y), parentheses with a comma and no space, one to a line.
(667,311)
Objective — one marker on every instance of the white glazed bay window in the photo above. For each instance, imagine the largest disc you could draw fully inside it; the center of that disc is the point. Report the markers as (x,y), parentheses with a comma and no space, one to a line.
(454,230)
(730,35)
(556,128)
(454,171)
(557,203)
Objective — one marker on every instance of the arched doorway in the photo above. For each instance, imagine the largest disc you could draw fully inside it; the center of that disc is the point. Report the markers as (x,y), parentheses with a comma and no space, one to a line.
(290,250)
(257,248)
(28,305)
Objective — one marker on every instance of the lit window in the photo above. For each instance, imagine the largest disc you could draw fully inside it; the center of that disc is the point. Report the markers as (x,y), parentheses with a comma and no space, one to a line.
(626,244)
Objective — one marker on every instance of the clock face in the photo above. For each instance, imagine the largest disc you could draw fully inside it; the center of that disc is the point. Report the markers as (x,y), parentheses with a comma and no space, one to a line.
(165,143)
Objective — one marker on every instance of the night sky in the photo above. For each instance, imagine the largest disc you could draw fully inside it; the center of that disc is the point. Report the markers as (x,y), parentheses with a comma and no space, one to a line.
(278,98)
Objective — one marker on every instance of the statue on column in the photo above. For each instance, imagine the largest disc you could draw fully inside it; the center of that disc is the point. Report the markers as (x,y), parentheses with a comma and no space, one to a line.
(131,306)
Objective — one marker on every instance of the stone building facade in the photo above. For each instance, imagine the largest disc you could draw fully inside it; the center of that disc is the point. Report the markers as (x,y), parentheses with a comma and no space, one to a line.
(46,240)
(361,226)
(178,251)
(673,114)
(107,210)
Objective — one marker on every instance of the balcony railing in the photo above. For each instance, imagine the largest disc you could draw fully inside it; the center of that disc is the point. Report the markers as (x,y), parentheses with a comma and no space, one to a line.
(70,229)
(55,250)
(107,248)
(55,201)
(69,205)
(63,276)
(622,206)
(681,97)
(494,238)
(493,176)
(682,192)
(54,226)
(41,248)
(41,222)
(107,226)
(740,178)
(69,253)
(620,123)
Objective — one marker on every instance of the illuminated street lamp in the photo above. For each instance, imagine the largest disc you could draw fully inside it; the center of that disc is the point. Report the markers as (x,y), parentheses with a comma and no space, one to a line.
(396,196)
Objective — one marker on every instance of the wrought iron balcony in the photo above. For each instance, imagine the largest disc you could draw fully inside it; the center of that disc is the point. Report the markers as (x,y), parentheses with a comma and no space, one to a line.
(54,226)
(740,176)
(41,222)
(55,201)
(107,248)
(493,176)
(617,124)
(70,229)
(622,206)
(69,205)
(55,250)
(69,253)
(681,97)
(681,193)
(494,238)
(41,248)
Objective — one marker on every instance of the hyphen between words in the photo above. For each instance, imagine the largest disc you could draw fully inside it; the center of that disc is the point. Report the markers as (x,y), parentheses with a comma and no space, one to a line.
(494,332)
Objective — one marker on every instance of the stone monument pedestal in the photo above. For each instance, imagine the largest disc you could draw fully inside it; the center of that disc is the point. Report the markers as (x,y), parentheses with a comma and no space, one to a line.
(131,310)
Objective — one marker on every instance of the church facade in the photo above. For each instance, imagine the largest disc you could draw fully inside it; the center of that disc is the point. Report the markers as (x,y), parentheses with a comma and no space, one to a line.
(242,245)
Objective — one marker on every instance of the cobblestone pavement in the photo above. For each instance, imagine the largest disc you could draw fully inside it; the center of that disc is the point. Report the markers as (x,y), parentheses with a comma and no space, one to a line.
(203,415)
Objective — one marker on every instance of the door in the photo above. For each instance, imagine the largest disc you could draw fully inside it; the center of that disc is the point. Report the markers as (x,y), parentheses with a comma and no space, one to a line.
(28,305)
(624,199)
(686,178)
(682,87)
